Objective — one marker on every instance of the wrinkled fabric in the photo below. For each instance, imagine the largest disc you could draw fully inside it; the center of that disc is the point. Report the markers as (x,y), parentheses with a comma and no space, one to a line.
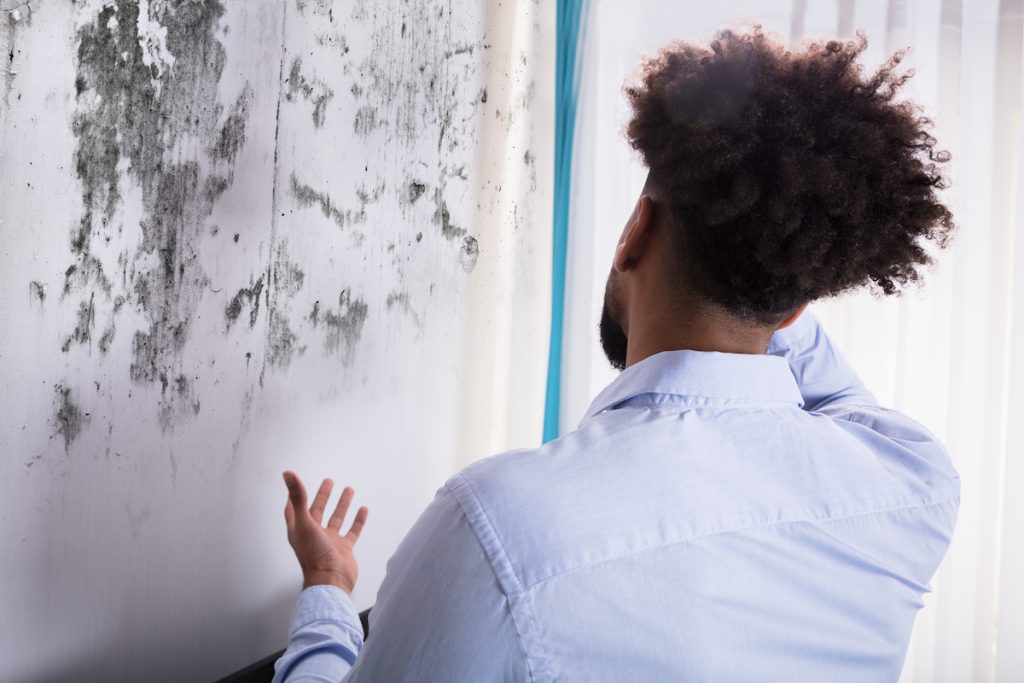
(714,517)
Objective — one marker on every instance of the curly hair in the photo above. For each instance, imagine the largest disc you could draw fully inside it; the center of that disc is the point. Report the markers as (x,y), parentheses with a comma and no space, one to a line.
(788,175)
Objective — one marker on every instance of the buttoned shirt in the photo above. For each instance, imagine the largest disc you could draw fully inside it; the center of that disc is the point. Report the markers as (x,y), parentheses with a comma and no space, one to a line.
(714,517)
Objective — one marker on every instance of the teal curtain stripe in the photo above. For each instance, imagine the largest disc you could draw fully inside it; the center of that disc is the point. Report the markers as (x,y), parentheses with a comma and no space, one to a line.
(569,22)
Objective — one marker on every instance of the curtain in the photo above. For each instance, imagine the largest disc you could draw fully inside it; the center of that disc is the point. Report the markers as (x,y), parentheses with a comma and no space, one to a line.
(950,353)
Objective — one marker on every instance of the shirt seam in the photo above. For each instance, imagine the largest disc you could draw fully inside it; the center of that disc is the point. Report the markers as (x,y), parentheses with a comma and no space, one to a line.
(490,563)
(739,529)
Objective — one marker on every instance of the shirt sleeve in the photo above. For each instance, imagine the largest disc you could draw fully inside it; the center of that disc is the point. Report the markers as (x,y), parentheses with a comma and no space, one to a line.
(440,615)
(829,386)
(822,373)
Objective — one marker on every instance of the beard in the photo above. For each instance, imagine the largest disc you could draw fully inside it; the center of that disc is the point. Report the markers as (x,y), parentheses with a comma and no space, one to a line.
(613,337)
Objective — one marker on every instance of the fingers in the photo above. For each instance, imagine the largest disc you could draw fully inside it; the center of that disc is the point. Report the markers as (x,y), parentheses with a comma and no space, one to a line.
(320,500)
(334,524)
(357,525)
(295,509)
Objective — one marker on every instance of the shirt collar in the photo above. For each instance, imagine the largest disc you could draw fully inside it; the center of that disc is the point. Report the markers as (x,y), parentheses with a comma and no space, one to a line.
(710,374)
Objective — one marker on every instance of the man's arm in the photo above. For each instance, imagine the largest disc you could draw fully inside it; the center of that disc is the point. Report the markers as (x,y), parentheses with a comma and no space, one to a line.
(822,373)
(831,387)
(440,615)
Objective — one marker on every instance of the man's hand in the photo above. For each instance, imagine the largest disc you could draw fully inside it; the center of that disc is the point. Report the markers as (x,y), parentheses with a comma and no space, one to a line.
(325,555)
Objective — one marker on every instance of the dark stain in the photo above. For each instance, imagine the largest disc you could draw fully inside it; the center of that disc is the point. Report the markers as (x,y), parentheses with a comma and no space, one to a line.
(315,91)
(128,109)
(37,291)
(401,299)
(318,6)
(365,121)
(232,133)
(247,295)
(460,50)
(82,332)
(367,197)
(107,337)
(469,253)
(530,159)
(69,417)
(306,196)
(286,279)
(342,327)
(442,218)
(214,187)
(416,191)
(20,14)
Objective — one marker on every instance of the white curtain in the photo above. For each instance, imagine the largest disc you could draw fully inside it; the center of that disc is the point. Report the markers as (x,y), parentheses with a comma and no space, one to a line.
(950,354)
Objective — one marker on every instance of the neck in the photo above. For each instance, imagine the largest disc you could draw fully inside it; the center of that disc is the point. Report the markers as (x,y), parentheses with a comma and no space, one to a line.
(652,332)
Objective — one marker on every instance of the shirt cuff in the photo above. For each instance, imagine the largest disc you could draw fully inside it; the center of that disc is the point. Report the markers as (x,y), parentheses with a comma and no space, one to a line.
(326,603)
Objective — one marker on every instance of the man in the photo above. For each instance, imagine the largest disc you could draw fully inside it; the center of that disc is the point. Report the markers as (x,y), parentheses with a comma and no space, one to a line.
(735,505)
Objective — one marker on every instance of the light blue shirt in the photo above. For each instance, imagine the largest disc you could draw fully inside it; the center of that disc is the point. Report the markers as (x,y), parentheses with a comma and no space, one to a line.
(714,517)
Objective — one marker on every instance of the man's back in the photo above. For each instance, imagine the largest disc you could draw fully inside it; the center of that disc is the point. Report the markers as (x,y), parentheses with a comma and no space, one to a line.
(715,517)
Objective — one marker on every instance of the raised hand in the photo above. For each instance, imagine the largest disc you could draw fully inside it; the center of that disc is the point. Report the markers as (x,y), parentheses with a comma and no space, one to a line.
(326,557)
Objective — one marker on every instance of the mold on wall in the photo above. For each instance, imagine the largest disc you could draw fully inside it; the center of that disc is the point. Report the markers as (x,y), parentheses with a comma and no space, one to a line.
(237,236)
(146,90)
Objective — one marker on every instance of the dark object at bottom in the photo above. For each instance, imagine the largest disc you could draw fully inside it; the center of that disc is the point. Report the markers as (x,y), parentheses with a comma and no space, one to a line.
(263,670)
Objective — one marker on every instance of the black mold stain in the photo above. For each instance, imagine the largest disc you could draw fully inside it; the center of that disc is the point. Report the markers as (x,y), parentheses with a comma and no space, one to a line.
(232,133)
(37,291)
(319,6)
(342,328)
(428,89)
(286,279)
(68,416)
(530,159)
(416,191)
(366,121)
(443,219)
(306,196)
(402,299)
(107,338)
(128,109)
(469,253)
(20,13)
(247,295)
(82,333)
(315,91)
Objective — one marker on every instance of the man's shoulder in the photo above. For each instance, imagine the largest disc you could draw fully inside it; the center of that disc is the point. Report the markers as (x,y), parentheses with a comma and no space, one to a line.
(505,473)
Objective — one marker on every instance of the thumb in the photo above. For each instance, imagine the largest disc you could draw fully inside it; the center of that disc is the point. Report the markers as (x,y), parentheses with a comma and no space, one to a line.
(296,494)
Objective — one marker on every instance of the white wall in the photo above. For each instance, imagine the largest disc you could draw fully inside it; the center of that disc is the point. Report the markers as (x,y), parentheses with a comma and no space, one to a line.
(238,237)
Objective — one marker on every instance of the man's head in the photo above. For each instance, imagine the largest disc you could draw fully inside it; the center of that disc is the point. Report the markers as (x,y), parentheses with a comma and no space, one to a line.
(776,177)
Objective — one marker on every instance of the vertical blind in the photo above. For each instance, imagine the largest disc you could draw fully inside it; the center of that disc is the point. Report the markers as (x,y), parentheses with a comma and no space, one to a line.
(949,353)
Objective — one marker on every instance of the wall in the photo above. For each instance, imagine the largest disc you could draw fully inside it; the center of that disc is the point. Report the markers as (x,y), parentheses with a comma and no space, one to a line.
(239,237)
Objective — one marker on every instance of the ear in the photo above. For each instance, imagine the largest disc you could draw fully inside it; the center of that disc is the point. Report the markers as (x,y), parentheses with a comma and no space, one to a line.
(792,317)
(636,237)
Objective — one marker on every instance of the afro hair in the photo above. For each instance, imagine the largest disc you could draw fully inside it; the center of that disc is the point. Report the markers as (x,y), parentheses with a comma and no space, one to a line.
(788,175)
